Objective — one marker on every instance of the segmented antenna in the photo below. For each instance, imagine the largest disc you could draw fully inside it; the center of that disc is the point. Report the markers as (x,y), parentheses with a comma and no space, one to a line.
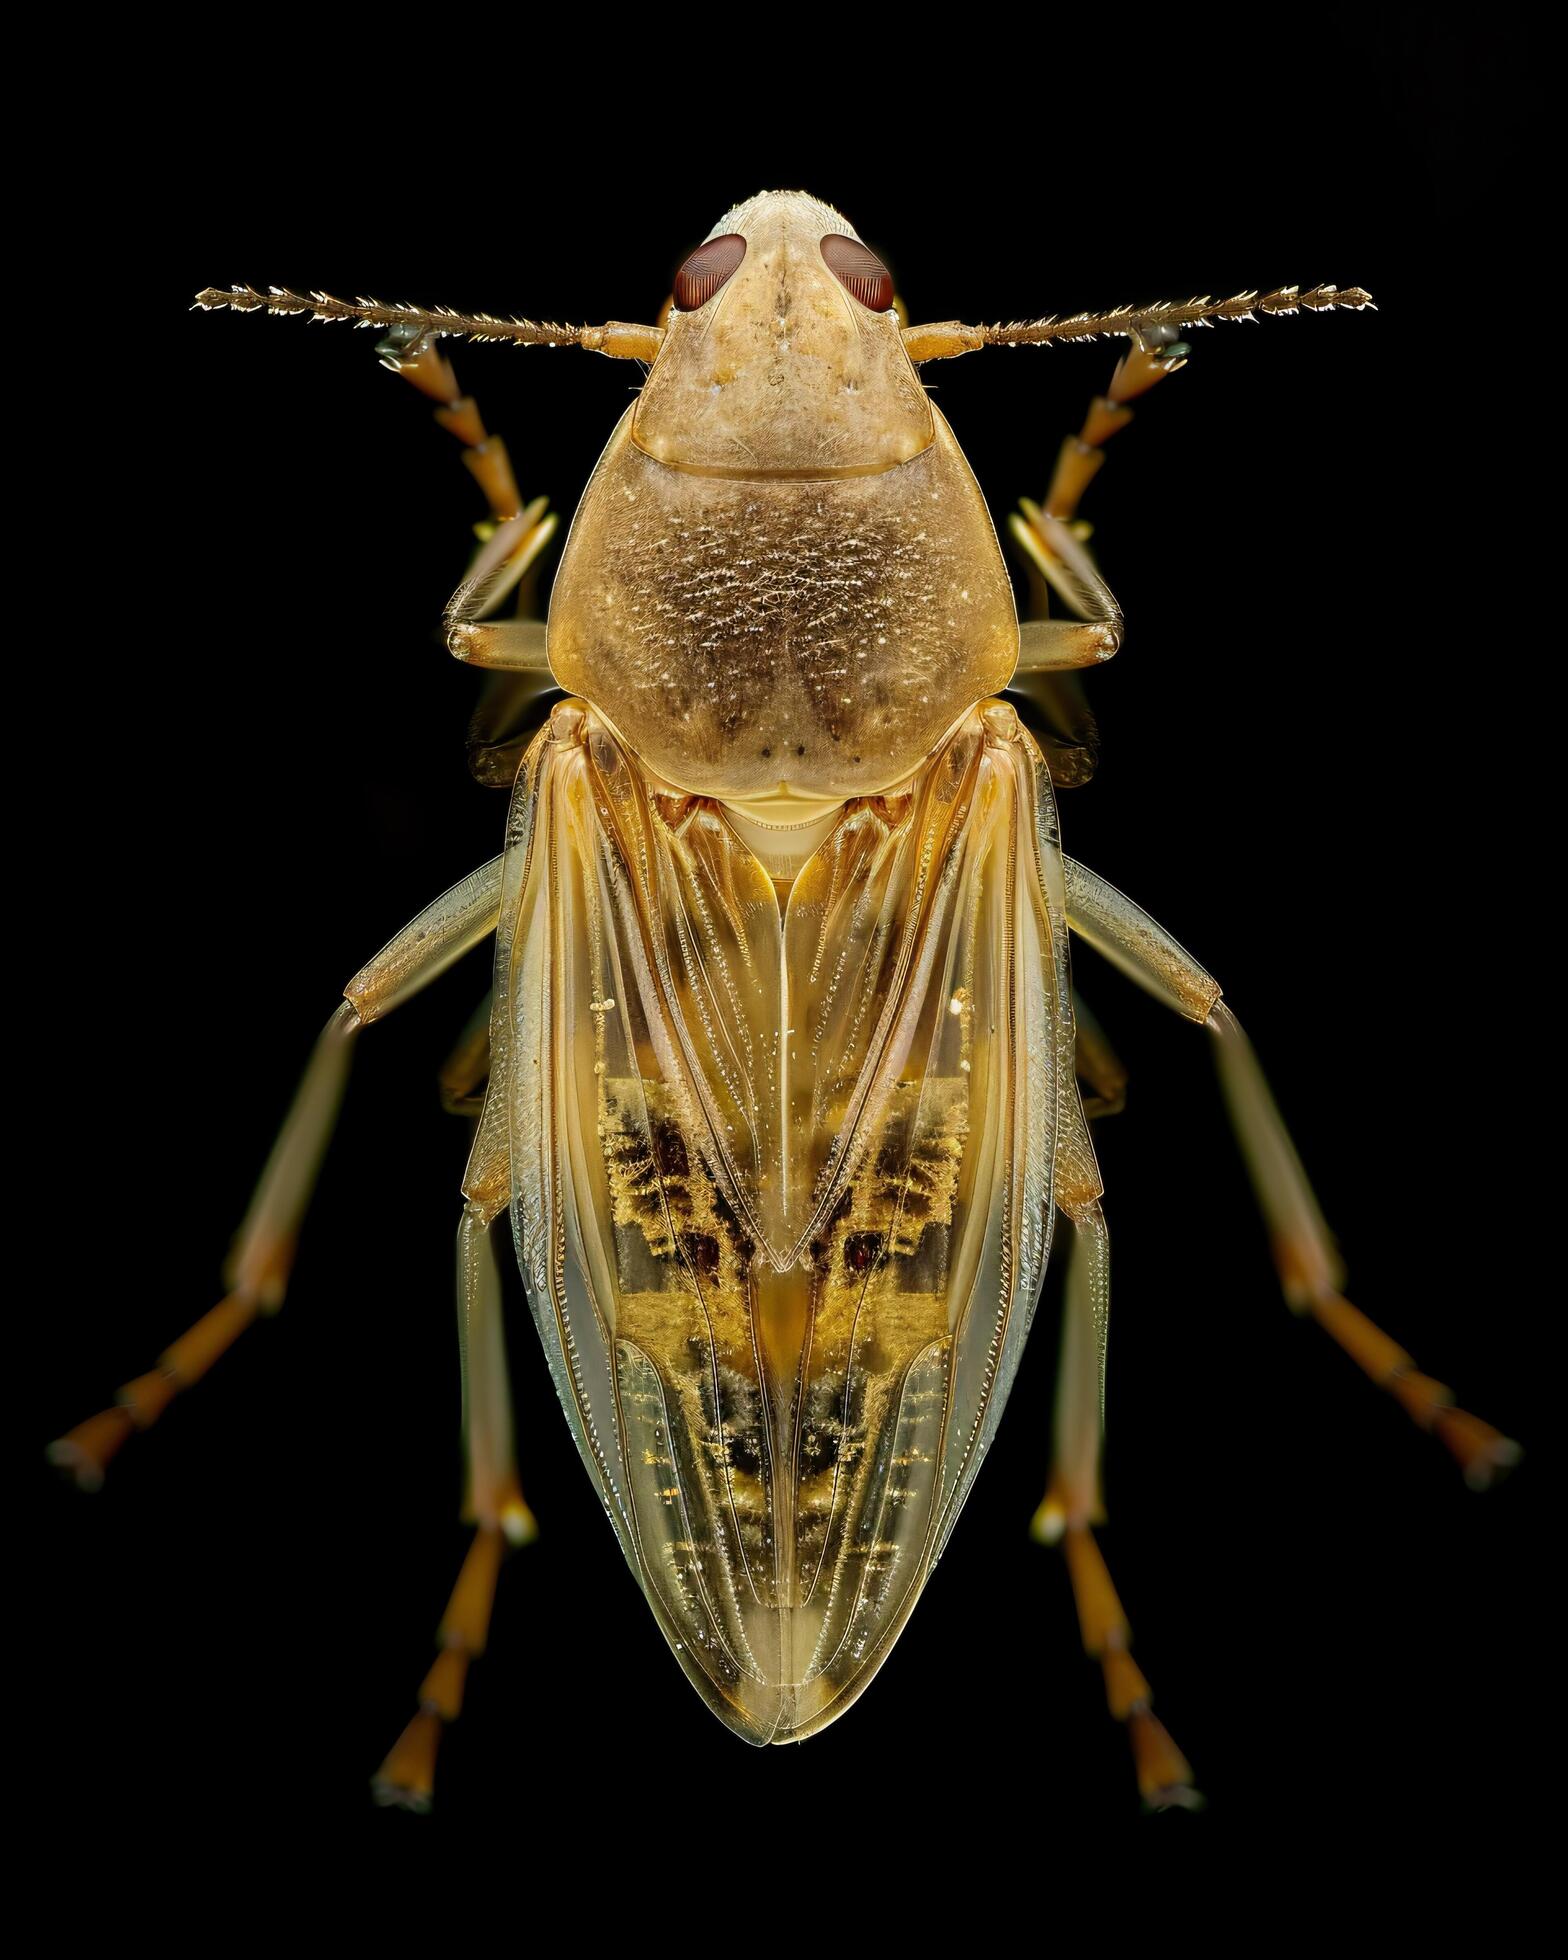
(371,313)
(1169,313)
(642,343)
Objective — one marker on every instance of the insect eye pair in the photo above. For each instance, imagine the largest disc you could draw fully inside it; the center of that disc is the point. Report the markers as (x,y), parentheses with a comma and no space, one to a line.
(859,271)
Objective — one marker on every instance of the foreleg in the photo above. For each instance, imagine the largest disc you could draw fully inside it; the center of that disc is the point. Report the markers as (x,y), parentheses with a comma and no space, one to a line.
(1059,562)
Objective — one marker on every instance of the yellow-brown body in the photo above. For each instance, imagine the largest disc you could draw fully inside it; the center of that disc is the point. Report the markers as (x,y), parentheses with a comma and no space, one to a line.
(781,1068)
(782,583)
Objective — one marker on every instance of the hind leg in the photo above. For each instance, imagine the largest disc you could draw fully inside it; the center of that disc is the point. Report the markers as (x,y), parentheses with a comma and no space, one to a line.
(493,1504)
(1073,1506)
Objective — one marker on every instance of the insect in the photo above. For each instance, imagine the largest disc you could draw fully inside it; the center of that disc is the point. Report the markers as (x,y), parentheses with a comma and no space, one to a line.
(779,1085)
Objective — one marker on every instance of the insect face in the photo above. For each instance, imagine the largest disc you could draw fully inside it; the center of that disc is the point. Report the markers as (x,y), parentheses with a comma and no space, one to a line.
(783,370)
(783,575)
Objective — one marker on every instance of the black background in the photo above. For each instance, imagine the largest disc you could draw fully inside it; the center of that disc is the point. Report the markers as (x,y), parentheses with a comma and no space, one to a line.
(255,774)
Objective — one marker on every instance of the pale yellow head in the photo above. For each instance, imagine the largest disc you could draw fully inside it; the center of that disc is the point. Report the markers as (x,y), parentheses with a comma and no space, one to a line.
(783,372)
(782,582)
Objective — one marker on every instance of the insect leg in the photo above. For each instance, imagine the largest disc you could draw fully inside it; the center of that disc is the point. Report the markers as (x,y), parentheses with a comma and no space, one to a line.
(257,1270)
(496,736)
(493,1504)
(1304,1253)
(512,649)
(1058,561)
(1156,353)
(516,533)
(1097,1063)
(1049,649)
(412,353)
(1063,562)
(1073,1504)
(464,1071)
(515,646)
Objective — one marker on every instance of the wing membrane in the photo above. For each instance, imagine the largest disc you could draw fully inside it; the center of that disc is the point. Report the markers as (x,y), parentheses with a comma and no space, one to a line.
(782,1185)
(934,1108)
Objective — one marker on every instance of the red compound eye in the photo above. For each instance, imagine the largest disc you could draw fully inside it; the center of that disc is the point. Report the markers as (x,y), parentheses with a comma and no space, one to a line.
(859,271)
(707,269)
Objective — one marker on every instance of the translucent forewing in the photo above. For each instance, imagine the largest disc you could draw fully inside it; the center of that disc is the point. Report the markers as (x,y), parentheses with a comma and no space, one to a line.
(783,1180)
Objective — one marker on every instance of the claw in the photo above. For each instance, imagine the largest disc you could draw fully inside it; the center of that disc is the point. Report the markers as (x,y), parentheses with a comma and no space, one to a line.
(1164,1774)
(407,1778)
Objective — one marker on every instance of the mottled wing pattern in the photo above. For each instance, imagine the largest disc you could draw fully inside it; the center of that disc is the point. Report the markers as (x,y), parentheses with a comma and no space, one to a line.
(782,1180)
(636,959)
(932,1096)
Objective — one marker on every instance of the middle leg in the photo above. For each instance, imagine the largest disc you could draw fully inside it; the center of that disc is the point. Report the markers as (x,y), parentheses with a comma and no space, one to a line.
(256,1273)
(1305,1255)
